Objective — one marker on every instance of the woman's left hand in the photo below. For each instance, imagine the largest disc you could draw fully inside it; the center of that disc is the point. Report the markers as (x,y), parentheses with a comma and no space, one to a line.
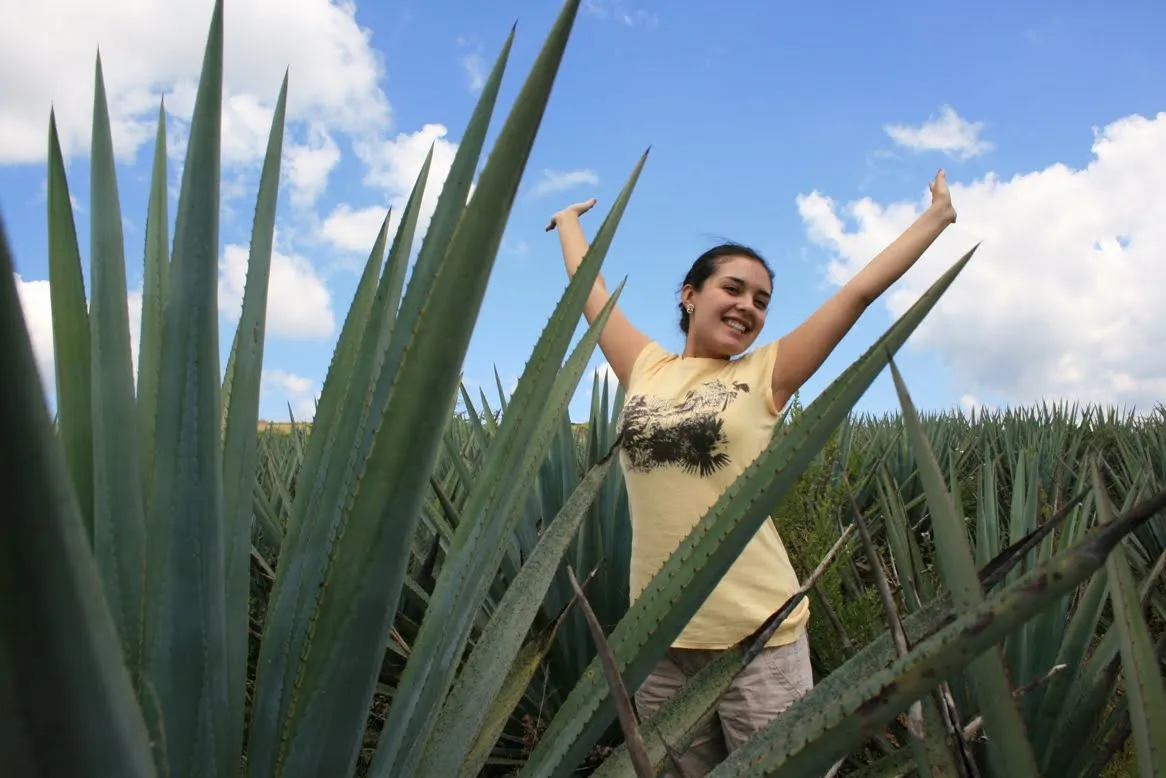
(941,196)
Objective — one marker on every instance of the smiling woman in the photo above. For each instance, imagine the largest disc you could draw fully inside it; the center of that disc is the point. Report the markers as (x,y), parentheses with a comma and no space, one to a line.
(692,423)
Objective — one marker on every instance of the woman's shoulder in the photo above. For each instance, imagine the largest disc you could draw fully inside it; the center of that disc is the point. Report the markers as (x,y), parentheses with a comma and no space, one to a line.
(651,358)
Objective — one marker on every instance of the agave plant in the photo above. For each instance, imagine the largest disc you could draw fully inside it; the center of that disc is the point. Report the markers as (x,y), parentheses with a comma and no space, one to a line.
(1071,724)
(154,485)
(134,523)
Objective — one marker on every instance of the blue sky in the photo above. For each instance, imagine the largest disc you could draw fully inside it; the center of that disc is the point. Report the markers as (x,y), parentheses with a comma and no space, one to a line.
(808,132)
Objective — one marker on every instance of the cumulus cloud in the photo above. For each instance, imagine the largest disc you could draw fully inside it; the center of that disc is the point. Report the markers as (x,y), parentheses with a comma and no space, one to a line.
(476,73)
(553,181)
(948,133)
(1062,299)
(393,167)
(294,391)
(155,47)
(309,165)
(299,305)
(354,230)
(474,64)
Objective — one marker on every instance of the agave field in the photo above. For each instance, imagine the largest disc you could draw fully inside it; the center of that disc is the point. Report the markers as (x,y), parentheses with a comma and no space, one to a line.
(427,583)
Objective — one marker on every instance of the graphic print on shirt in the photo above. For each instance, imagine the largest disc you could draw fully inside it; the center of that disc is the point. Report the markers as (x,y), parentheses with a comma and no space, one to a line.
(688,434)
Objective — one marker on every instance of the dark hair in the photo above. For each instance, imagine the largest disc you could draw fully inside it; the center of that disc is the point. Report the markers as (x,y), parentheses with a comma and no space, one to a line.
(706,264)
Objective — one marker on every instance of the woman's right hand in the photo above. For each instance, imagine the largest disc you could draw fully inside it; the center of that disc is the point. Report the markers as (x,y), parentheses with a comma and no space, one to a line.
(571,211)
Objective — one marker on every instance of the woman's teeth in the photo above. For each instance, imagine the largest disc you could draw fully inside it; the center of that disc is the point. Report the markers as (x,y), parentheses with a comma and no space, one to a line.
(738,326)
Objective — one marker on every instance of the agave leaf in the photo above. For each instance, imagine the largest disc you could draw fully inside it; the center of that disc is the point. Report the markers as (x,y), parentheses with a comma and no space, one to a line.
(477,426)
(466,707)
(241,443)
(326,507)
(119,534)
(987,528)
(70,333)
(1144,688)
(1090,698)
(155,287)
(1002,563)
(317,456)
(510,469)
(1050,629)
(488,414)
(822,726)
(374,346)
(1072,651)
(675,722)
(309,464)
(502,401)
(354,596)
(514,685)
(318,518)
(266,515)
(1018,646)
(926,726)
(313,466)
(1009,751)
(898,527)
(695,568)
(894,765)
(67,703)
(469,703)
(228,382)
(185,618)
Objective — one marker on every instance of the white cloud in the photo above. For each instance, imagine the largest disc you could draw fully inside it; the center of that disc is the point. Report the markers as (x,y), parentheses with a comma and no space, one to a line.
(971,404)
(291,389)
(621,11)
(474,64)
(134,302)
(299,305)
(393,166)
(475,71)
(309,165)
(1062,299)
(355,230)
(38,317)
(153,47)
(555,181)
(518,248)
(947,133)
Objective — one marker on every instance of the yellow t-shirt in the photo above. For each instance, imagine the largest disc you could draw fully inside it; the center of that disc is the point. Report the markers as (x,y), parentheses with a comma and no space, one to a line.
(691,426)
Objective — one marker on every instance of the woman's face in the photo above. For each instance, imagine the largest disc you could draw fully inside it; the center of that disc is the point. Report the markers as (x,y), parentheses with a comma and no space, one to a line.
(729,310)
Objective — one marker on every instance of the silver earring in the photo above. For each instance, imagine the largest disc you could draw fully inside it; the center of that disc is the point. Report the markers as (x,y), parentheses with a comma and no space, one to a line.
(689,308)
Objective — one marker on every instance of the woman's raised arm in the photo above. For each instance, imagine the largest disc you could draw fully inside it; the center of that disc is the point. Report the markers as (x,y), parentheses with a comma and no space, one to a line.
(804,349)
(619,341)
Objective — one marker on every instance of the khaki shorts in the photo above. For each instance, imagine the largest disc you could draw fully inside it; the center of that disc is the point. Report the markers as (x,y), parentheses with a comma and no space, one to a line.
(770,684)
